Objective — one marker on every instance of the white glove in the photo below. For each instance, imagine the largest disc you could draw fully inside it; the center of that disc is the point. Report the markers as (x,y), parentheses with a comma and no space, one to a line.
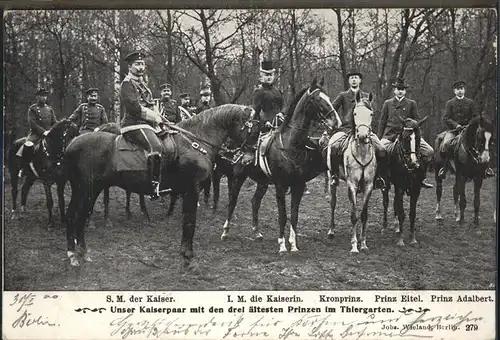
(46,132)
(158,119)
(268,124)
(280,116)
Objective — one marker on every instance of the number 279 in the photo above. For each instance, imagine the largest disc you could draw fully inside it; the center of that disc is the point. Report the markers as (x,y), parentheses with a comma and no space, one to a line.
(471,327)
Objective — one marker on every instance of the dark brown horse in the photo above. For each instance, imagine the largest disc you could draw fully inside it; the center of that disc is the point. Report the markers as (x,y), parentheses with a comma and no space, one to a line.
(406,173)
(46,166)
(290,162)
(90,170)
(471,156)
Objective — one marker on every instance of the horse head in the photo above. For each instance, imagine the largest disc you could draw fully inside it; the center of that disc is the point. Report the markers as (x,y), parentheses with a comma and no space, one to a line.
(317,105)
(55,143)
(410,142)
(478,135)
(246,131)
(362,116)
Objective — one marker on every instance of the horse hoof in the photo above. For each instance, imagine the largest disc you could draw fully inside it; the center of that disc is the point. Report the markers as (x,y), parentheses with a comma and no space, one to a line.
(401,243)
(259,237)
(364,248)
(74,262)
(223,237)
(476,220)
(439,217)
(413,242)
(282,251)
(354,252)
(86,257)
(108,223)
(294,250)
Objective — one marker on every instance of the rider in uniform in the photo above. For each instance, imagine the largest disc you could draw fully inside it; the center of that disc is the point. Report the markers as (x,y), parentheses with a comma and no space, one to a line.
(459,112)
(168,107)
(346,101)
(41,118)
(205,97)
(390,125)
(267,99)
(90,115)
(139,117)
(184,107)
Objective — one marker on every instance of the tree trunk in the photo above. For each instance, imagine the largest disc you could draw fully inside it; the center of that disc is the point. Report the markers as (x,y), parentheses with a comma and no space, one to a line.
(340,38)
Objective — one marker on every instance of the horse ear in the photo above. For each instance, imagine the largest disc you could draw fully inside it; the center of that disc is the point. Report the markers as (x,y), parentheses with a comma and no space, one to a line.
(370,97)
(314,82)
(422,121)
(322,81)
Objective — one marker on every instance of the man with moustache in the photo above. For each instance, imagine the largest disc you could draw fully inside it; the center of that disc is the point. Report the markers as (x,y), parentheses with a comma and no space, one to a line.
(346,101)
(168,107)
(90,115)
(41,118)
(459,112)
(184,107)
(205,97)
(139,117)
(390,125)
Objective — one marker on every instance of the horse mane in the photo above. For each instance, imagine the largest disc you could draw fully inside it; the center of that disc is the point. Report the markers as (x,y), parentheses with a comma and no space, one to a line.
(110,127)
(291,108)
(58,128)
(222,115)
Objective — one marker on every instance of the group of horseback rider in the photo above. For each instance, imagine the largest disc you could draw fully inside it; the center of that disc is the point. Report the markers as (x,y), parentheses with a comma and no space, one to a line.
(142,114)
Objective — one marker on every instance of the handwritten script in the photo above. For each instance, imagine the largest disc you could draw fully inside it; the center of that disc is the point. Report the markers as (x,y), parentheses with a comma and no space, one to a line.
(317,326)
(23,304)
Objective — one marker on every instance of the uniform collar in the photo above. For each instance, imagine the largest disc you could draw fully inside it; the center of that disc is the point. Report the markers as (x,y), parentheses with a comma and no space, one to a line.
(136,78)
(459,98)
(399,100)
(266,85)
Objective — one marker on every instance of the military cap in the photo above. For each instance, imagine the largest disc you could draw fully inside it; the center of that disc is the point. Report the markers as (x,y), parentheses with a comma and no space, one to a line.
(184,95)
(92,89)
(354,73)
(136,55)
(165,86)
(205,90)
(42,91)
(400,84)
(458,83)
(267,66)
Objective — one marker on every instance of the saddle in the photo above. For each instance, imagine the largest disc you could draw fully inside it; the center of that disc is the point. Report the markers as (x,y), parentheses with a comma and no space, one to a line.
(261,152)
(131,157)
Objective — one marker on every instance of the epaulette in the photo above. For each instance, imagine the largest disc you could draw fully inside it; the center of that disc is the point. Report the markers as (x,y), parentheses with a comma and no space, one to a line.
(173,101)
(99,105)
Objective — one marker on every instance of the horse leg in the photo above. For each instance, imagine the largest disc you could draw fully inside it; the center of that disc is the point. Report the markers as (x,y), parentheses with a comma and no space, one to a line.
(280,199)
(297,191)
(14,170)
(107,220)
(25,189)
(439,194)
(333,205)
(85,209)
(399,211)
(413,213)
(385,203)
(144,209)
(478,183)
(364,214)
(459,211)
(206,191)
(50,204)
(189,208)
(60,199)
(326,183)
(260,191)
(216,185)
(351,191)
(76,198)
(127,205)
(233,200)
(173,200)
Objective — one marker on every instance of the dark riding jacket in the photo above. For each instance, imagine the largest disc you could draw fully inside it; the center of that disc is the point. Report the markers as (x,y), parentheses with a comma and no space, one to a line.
(203,107)
(40,118)
(390,126)
(89,116)
(347,101)
(458,112)
(170,110)
(267,102)
(137,101)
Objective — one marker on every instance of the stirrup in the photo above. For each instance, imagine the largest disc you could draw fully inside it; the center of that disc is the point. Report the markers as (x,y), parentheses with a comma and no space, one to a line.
(156,191)
(334,180)
(426,185)
(489,172)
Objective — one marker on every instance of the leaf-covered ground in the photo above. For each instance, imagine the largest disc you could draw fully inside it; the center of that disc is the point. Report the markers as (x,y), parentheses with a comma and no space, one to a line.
(132,255)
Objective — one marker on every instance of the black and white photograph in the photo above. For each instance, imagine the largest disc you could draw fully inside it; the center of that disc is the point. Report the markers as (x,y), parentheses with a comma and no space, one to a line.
(334,149)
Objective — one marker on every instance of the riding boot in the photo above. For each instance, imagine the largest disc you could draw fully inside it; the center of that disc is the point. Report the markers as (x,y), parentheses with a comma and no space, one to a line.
(444,157)
(154,170)
(335,169)
(423,183)
(488,172)
(381,180)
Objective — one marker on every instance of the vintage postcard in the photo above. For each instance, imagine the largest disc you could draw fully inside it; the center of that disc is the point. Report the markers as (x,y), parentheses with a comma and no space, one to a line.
(218,173)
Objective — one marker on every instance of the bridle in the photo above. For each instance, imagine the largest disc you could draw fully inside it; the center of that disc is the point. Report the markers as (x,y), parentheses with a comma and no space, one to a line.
(358,126)
(323,118)
(407,153)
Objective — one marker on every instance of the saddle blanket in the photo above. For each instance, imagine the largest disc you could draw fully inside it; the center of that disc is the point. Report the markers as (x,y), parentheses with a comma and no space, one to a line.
(128,156)
(261,152)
